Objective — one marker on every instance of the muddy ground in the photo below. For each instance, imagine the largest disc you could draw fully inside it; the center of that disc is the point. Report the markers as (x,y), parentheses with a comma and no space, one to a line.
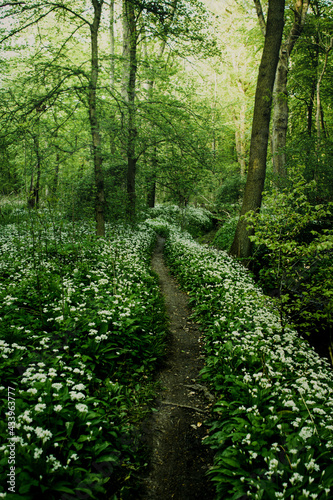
(178,458)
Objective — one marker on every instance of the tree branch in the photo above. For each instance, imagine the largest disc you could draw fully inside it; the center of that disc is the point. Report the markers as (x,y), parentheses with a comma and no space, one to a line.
(261,17)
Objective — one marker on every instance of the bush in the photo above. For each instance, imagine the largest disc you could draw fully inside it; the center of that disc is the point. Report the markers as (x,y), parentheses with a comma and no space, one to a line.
(298,254)
(229,195)
(225,235)
(196,221)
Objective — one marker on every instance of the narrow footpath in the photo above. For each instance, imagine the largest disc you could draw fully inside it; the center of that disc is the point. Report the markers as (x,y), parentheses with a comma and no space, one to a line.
(179,460)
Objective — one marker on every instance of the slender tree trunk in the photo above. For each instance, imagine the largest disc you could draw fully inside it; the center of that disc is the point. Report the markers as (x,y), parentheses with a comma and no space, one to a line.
(151,180)
(151,194)
(241,246)
(319,113)
(126,51)
(36,188)
(112,65)
(130,46)
(56,176)
(280,99)
(240,140)
(94,123)
(149,87)
(310,108)
(280,118)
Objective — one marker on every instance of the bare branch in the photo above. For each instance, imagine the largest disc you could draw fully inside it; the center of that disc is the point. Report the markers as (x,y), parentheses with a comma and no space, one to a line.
(22,28)
(261,17)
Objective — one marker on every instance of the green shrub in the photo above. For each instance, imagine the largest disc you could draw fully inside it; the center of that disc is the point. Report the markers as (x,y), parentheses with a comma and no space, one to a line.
(196,221)
(298,252)
(225,235)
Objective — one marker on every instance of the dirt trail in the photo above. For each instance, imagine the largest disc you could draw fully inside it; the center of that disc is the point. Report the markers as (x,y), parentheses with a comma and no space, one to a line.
(174,433)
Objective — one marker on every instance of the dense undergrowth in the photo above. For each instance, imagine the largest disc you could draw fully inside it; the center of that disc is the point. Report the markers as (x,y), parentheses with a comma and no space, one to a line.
(272,429)
(82,329)
(197,221)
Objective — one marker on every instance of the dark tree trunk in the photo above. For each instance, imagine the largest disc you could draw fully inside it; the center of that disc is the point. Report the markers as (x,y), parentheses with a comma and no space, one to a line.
(310,107)
(319,112)
(94,124)
(56,176)
(131,33)
(34,189)
(151,181)
(241,246)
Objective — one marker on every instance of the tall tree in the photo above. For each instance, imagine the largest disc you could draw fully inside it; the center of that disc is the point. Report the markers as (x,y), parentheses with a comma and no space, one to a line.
(280,100)
(94,122)
(27,14)
(130,41)
(241,246)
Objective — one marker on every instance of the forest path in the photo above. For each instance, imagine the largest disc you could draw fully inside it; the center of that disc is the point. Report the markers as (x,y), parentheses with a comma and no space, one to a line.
(178,459)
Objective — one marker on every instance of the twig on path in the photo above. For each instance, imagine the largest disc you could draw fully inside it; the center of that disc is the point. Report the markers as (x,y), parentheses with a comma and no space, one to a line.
(183,406)
(201,388)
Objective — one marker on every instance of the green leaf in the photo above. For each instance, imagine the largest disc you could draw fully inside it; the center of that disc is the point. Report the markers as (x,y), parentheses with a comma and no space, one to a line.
(230,461)
(69,427)
(64,489)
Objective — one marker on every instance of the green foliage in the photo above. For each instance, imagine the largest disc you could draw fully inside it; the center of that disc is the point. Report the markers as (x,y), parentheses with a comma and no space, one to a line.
(231,190)
(315,157)
(12,209)
(297,244)
(82,329)
(225,235)
(272,424)
(196,221)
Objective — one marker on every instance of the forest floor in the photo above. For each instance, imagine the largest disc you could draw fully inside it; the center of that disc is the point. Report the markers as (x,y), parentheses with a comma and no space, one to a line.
(178,458)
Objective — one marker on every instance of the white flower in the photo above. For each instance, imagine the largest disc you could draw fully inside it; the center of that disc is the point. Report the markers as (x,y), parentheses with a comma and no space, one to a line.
(57,386)
(306,432)
(26,417)
(79,387)
(40,407)
(58,408)
(76,395)
(81,408)
(273,464)
(295,478)
(32,390)
(37,453)
(44,434)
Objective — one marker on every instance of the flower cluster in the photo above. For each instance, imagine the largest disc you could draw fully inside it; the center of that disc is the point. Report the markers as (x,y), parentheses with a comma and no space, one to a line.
(273,418)
(81,329)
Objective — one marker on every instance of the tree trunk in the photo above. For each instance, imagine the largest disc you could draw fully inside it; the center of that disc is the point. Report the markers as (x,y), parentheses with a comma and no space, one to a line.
(319,112)
(280,118)
(126,51)
(240,139)
(130,45)
(280,99)
(34,190)
(56,176)
(94,124)
(112,66)
(241,246)
(310,108)
(151,179)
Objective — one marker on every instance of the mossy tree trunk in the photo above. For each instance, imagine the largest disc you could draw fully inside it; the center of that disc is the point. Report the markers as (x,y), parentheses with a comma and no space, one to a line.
(241,246)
